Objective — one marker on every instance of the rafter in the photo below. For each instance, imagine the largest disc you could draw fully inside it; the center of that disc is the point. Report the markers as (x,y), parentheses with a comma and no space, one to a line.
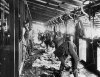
(44,11)
(39,17)
(47,5)
(41,13)
(37,6)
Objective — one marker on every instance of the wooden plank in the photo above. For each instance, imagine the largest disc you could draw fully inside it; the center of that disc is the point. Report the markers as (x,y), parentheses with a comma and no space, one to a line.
(48,10)
(47,5)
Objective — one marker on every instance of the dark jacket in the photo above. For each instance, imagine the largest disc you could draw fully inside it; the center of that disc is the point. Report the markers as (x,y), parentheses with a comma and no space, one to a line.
(65,49)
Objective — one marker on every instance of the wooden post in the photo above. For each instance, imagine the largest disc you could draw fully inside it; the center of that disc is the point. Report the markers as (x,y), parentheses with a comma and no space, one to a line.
(14,35)
(22,19)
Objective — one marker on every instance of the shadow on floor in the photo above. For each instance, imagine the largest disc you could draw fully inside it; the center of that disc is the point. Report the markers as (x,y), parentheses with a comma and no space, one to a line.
(91,68)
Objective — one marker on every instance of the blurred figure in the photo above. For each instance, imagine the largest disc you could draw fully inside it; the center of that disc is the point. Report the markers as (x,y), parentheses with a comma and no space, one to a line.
(67,47)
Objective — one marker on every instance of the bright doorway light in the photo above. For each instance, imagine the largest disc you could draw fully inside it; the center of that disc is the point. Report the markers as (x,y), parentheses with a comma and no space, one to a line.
(98,59)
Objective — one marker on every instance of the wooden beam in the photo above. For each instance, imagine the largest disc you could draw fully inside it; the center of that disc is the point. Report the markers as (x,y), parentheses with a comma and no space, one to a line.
(51,1)
(5,3)
(39,17)
(53,11)
(6,11)
(44,12)
(47,5)
(73,2)
(41,13)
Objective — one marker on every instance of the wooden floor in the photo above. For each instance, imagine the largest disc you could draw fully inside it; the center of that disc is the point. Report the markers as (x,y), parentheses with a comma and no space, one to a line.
(46,69)
(7,65)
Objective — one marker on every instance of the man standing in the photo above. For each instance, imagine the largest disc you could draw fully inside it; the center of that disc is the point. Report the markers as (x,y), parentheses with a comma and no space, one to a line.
(62,52)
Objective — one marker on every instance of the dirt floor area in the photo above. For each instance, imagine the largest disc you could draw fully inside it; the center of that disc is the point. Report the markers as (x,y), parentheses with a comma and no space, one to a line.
(45,64)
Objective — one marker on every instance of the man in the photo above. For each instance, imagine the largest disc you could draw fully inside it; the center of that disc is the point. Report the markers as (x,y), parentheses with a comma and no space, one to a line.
(62,52)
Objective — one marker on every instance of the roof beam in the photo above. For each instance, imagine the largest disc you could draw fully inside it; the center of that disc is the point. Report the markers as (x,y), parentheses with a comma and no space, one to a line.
(51,1)
(39,14)
(5,3)
(40,19)
(37,6)
(73,2)
(44,11)
(47,5)
(6,11)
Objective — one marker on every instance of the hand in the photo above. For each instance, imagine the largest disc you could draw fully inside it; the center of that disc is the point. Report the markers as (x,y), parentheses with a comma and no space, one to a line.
(75,71)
